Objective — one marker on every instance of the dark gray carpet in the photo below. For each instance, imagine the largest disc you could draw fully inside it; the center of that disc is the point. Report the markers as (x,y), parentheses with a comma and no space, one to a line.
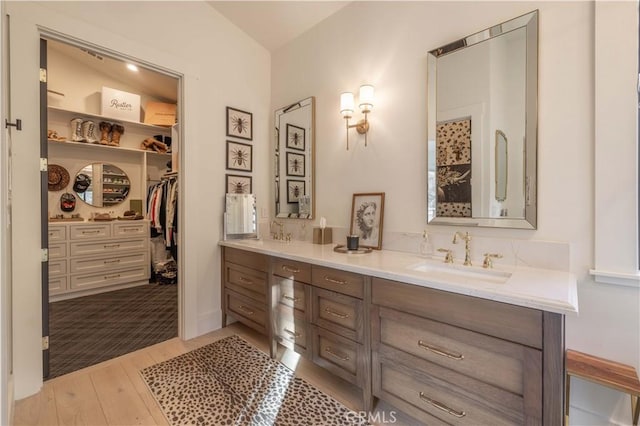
(91,329)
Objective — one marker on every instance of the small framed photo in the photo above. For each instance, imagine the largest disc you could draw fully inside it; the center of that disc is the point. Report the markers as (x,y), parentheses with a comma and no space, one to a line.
(295,188)
(239,156)
(295,137)
(367,213)
(239,124)
(237,184)
(295,164)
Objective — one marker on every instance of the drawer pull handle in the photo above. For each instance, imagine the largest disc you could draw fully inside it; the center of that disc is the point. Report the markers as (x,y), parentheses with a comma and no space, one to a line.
(441,406)
(294,334)
(111,261)
(246,310)
(246,280)
(336,314)
(329,350)
(91,232)
(110,277)
(333,280)
(458,357)
(111,246)
(290,269)
(293,299)
(130,229)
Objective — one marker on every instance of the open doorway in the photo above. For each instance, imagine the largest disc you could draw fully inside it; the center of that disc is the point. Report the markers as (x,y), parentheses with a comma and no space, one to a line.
(111,221)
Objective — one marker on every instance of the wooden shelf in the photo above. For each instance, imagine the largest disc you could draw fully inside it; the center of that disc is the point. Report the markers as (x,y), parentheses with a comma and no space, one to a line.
(103,118)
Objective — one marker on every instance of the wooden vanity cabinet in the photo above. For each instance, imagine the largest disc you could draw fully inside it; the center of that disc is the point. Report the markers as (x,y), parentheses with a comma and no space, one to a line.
(455,359)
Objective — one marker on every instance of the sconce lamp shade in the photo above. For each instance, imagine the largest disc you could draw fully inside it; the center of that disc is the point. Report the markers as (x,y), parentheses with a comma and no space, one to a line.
(366,97)
(346,104)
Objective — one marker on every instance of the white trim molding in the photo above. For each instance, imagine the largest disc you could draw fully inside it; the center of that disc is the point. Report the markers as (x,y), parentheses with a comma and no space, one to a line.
(617,278)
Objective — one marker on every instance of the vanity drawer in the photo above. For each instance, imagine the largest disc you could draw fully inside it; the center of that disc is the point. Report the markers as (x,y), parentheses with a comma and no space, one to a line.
(338,355)
(57,285)
(86,232)
(292,333)
(120,276)
(57,251)
(433,400)
(130,229)
(509,322)
(340,281)
(292,293)
(247,311)
(57,233)
(107,247)
(297,271)
(57,267)
(247,259)
(498,362)
(84,265)
(246,281)
(337,312)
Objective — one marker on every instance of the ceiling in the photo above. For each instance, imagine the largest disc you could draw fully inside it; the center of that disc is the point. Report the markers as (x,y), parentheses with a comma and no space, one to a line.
(275,23)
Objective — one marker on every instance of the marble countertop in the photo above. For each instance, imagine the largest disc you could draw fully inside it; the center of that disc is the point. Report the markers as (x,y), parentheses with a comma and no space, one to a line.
(544,289)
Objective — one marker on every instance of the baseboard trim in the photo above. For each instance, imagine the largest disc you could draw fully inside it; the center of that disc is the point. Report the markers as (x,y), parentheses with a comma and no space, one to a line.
(209,321)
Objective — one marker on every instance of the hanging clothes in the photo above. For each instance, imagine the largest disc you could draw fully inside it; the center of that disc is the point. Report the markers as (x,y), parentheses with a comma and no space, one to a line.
(162,209)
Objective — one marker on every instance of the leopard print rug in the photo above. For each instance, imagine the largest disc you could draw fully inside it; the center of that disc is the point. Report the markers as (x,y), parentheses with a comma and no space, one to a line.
(229,382)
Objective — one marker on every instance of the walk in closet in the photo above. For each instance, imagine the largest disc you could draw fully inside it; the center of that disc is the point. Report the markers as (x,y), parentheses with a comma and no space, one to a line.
(112,142)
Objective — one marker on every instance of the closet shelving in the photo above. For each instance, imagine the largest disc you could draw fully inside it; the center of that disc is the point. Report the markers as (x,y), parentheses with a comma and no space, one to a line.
(73,114)
(85,145)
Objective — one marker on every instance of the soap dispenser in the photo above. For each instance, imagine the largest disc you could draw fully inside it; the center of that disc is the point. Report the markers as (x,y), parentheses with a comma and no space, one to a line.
(426,246)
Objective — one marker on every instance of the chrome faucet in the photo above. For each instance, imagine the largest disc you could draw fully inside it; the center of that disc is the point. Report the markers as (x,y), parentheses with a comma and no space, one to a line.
(280,235)
(467,249)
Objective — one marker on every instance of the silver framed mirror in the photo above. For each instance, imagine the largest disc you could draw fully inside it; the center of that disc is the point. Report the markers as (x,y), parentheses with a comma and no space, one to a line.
(478,86)
(240,217)
(102,185)
(294,160)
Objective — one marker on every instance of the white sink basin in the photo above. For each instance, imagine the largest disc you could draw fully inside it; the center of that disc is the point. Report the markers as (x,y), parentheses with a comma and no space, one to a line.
(449,272)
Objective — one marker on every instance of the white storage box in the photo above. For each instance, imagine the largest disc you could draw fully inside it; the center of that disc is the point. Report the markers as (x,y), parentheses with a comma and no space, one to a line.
(120,105)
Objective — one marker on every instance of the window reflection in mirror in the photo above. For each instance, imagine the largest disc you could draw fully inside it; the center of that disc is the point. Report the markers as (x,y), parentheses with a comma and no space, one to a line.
(101,185)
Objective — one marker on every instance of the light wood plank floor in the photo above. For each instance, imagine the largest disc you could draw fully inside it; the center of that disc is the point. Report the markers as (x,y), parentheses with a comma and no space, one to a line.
(113,393)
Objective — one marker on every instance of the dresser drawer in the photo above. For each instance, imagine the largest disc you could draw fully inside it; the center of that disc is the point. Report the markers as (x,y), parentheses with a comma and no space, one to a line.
(125,229)
(432,400)
(292,332)
(297,271)
(339,281)
(246,281)
(57,267)
(491,360)
(247,259)
(107,248)
(57,233)
(58,285)
(119,276)
(247,311)
(87,232)
(338,355)
(509,322)
(57,250)
(84,265)
(292,293)
(337,312)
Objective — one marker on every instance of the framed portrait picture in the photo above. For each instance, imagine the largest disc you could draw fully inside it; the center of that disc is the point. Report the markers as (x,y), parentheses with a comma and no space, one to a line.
(367,214)
(295,137)
(295,164)
(239,156)
(295,188)
(237,184)
(239,124)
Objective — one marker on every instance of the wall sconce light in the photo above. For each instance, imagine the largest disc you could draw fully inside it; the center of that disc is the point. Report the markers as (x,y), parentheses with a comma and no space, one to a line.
(366,104)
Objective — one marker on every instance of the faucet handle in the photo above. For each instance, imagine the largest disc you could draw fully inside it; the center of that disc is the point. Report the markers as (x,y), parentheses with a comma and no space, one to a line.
(448,257)
(488,262)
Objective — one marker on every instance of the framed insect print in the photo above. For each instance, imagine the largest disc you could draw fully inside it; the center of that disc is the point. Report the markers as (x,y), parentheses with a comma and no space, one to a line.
(295,164)
(239,156)
(295,137)
(239,124)
(237,184)
(295,188)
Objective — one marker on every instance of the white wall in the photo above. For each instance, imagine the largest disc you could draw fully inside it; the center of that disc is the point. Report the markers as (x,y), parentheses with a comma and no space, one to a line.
(222,67)
(385,44)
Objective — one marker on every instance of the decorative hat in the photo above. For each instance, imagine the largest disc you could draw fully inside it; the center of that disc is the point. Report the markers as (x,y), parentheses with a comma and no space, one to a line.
(82,183)
(67,202)
(58,177)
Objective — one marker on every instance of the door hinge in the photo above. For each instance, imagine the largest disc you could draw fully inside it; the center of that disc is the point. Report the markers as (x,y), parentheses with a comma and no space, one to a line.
(43,75)
(44,255)
(43,165)
(17,124)
(45,343)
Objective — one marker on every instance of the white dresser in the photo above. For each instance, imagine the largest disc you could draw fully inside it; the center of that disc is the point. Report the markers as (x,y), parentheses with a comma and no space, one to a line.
(94,257)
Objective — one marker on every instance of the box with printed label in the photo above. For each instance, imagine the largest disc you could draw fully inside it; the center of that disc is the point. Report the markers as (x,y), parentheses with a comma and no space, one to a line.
(119,104)
(160,114)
